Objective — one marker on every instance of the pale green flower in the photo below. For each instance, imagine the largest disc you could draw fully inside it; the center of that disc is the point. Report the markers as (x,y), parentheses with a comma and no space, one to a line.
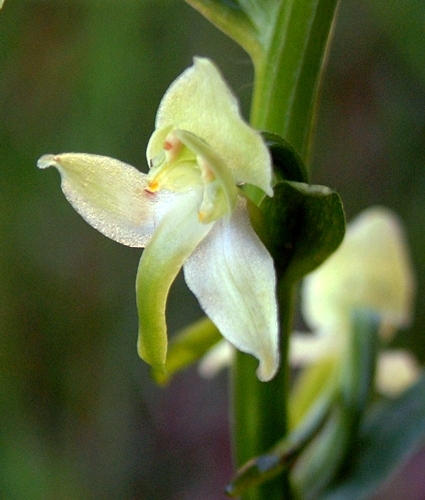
(188,211)
(370,270)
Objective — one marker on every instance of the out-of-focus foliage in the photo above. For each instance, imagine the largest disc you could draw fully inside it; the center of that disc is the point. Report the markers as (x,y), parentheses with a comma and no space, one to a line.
(374,455)
(371,127)
(79,415)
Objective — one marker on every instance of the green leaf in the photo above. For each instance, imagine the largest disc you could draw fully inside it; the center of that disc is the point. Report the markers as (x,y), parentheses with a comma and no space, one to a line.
(391,433)
(306,224)
(187,347)
(360,362)
(353,386)
(324,455)
(229,17)
(288,165)
(315,382)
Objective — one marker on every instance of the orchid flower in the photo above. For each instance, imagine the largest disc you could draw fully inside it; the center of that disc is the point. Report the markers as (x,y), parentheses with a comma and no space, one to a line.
(371,270)
(189,212)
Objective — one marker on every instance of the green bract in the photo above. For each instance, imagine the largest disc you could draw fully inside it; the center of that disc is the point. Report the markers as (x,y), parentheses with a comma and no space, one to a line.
(188,213)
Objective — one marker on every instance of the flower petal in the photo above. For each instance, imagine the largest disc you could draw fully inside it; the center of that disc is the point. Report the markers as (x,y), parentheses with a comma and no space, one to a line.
(371,269)
(199,101)
(175,238)
(214,163)
(110,195)
(217,358)
(307,348)
(232,275)
(397,370)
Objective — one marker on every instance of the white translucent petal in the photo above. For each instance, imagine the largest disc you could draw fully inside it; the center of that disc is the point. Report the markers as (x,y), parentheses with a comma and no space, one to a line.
(199,101)
(397,370)
(110,195)
(232,275)
(217,358)
(371,269)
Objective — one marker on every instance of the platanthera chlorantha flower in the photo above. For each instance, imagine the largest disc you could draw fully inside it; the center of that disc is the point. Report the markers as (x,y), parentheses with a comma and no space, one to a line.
(188,212)
(371,270)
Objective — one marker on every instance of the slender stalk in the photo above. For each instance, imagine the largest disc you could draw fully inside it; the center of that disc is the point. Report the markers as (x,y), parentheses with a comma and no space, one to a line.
(259,409)
(287,76)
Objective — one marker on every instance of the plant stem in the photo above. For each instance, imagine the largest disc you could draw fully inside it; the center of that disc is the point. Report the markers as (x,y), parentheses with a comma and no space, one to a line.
(259,408)
(287,76)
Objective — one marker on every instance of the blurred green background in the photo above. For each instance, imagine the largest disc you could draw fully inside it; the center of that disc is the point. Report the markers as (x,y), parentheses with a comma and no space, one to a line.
(80,417)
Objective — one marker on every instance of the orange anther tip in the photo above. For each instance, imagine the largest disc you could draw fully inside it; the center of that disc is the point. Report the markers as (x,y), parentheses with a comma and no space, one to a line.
(168,146)
(152,186)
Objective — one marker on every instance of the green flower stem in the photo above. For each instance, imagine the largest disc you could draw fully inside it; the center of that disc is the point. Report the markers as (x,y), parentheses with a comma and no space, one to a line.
(259,409)
(287,76)
(288,72)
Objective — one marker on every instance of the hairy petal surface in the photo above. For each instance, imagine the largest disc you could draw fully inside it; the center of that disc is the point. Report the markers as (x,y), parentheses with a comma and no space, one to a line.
(110,195)
(199,101)
(232,275)
(175,238)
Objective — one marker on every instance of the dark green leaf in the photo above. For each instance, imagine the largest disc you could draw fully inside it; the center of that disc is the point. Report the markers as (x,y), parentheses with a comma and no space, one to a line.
(288,165)
(391,433)
(360,362)
(306,224)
